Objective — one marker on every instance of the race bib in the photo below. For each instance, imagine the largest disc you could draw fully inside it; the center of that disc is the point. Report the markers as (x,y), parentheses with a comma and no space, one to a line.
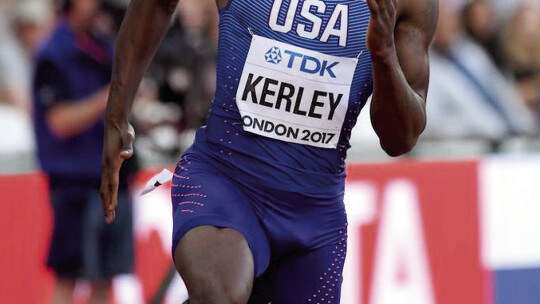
(294,94)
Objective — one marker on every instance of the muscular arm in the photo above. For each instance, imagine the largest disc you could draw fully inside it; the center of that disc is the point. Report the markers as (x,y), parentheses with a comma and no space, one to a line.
(400,70)
(142,30)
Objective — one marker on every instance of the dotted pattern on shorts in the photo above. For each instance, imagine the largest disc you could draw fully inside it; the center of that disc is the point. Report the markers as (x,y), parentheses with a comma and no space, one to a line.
(187,200)
(330,281)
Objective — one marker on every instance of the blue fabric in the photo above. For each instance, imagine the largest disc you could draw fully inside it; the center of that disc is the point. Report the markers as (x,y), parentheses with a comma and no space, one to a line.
(306,277)
(277,164)
(66,72)
(275,223)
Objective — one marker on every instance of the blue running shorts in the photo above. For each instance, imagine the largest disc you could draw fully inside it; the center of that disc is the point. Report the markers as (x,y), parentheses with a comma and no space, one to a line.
(298,242)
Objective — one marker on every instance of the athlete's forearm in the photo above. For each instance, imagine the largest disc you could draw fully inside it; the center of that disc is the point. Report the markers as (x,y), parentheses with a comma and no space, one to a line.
(398,37)
(142,30)
(397,111)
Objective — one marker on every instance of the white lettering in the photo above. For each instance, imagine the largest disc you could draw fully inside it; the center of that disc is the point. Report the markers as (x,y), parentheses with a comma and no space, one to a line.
(341,14)
(317,21)
(289,19)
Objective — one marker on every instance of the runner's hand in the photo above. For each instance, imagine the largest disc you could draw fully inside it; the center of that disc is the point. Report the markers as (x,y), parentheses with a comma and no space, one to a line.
(117,147)
(380,34)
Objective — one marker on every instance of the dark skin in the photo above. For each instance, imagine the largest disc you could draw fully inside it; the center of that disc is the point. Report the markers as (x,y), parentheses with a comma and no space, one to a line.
(398,37)
(399,52)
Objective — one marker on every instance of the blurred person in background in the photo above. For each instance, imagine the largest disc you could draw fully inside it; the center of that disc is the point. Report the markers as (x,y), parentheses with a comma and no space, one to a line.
(179,85)
(469,97)
(29,23)
(24,25)
(184,68)
(73,70)
(523,49)
(196,24)
(482,26)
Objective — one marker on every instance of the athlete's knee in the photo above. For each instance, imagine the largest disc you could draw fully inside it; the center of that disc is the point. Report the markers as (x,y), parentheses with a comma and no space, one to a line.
(216,265)
(213,287)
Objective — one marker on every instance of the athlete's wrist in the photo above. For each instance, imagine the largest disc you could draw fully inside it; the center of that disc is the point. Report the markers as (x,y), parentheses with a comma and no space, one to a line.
(116,122)
(115,112)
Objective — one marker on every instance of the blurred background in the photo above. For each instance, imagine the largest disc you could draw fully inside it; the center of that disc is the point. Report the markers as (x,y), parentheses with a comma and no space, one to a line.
(464,203)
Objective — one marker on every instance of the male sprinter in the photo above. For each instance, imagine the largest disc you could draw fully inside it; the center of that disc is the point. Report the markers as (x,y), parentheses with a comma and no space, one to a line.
(258,199)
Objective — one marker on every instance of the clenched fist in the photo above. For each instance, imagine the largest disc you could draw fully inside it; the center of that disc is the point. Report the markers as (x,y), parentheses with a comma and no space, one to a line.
(380,34)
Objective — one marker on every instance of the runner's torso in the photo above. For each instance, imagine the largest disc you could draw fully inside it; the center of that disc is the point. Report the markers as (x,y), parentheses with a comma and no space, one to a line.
(292,77)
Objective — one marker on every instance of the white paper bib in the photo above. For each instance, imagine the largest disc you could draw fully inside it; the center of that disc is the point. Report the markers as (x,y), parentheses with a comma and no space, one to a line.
(294,94)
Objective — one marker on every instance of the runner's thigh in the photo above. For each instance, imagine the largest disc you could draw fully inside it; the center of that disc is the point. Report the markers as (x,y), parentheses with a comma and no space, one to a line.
(216,265)
(219,245)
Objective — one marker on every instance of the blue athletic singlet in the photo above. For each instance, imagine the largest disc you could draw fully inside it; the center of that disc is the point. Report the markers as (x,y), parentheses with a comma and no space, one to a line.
(292,77)
(280,139)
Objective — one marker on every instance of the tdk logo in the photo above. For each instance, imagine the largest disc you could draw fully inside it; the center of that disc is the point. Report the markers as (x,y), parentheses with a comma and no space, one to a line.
(308,64)
(273,55)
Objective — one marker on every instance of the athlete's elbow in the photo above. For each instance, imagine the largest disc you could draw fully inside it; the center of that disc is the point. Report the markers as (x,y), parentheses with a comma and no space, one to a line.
(395,148)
